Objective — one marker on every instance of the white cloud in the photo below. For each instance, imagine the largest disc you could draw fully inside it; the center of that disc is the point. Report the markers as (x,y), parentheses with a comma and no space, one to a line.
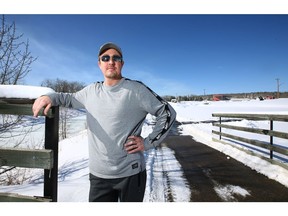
(56,61)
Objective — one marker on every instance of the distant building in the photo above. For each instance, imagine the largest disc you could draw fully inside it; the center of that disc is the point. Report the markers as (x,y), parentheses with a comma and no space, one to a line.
(268,97)
(219,97)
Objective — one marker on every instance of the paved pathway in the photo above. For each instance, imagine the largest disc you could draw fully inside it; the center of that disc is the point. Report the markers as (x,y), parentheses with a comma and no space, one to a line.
(214,178)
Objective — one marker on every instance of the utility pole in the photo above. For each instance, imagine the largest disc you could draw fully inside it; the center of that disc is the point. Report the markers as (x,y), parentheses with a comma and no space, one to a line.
(278,87)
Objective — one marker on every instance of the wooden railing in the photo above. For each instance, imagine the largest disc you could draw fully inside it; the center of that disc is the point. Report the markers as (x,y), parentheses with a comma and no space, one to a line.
(46,159)
(269,147)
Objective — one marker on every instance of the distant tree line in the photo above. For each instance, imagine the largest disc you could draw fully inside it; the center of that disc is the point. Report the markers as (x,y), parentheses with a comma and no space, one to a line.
(60,85)
(170,98)
(251,95)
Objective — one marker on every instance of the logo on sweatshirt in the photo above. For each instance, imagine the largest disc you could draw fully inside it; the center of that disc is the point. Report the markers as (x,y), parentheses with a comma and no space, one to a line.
(135,165)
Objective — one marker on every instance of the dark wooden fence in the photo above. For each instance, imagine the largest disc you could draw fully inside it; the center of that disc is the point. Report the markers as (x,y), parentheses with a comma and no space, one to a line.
(46,159)
(269,147)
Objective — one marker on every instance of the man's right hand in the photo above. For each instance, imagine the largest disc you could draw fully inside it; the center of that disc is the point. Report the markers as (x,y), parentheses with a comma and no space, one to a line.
(41,102)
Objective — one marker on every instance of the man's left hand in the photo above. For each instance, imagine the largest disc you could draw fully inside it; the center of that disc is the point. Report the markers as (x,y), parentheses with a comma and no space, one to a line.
(134,144)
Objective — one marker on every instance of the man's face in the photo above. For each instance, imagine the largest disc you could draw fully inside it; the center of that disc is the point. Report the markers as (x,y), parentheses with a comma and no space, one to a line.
(110,65)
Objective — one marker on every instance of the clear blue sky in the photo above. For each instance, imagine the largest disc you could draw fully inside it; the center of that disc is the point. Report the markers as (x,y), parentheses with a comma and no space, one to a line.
(172,54)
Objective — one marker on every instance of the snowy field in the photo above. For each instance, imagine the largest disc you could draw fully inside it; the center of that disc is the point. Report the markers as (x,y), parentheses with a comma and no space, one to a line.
(73,180)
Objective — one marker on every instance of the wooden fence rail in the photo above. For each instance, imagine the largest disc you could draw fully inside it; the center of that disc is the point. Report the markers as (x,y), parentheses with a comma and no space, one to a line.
(46,159)
(41,158)
(270,146)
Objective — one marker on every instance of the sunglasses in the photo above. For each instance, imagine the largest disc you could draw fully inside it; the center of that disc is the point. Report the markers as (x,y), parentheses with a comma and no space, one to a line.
(115,58)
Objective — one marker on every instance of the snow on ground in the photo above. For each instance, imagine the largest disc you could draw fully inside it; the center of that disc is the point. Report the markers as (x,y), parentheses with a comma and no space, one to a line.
(165,180)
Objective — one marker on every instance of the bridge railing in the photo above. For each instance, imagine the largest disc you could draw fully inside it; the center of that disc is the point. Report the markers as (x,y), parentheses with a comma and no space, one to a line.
(270,146)
(46,159)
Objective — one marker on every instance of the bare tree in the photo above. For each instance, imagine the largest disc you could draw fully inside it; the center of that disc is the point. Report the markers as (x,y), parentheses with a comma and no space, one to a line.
(15,57)
(15,64)
(63,86)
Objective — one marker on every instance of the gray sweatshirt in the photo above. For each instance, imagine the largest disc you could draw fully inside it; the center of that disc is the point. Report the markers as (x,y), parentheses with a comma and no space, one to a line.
(113,114)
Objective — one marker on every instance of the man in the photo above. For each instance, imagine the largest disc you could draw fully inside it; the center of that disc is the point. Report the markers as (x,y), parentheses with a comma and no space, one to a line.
(116,110)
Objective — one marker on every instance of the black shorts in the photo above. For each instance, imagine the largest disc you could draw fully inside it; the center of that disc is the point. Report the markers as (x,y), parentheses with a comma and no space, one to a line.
(127,189)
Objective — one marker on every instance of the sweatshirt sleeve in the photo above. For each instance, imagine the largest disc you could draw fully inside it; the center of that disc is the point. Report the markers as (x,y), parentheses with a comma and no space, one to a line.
(71,100)
(164,113)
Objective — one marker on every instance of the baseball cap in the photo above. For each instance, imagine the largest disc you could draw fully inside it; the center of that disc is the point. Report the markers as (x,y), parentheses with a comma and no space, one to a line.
(109,45)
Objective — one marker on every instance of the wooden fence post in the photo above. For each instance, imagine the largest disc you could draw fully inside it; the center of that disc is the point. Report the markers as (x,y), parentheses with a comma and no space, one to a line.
(51,142)
(220,128)
(271,139)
